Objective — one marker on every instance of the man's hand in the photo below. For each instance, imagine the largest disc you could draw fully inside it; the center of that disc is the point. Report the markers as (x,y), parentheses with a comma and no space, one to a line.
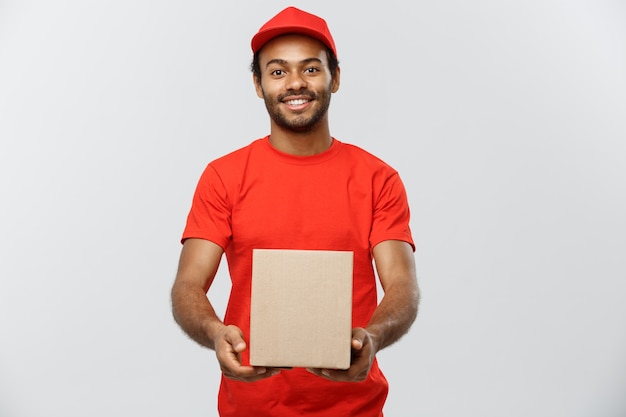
(363,353)
(229,344)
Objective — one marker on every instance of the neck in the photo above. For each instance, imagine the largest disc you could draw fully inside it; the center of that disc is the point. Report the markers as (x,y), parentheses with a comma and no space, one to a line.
(301,143)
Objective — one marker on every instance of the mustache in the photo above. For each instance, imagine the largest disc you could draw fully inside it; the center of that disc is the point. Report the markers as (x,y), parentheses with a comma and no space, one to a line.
(299,93)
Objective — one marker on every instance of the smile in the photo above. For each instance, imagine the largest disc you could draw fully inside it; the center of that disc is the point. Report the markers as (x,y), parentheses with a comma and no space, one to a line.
(297,102)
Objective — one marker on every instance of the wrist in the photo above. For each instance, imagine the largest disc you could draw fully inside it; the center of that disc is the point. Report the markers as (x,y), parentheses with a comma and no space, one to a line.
(373,334)
(211,328)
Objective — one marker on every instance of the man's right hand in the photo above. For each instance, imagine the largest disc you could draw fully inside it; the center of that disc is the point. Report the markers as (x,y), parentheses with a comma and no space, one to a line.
(229,344)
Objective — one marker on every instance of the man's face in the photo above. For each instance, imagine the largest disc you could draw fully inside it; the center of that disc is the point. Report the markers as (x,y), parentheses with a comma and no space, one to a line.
(296,83)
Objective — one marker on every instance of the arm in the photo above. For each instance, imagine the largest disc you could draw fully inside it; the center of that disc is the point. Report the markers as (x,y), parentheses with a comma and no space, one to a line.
(394,315)
(192,310)
(397,310)
(198,264)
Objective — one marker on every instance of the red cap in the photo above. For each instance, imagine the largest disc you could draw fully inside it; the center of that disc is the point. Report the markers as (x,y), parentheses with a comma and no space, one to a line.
(292,20)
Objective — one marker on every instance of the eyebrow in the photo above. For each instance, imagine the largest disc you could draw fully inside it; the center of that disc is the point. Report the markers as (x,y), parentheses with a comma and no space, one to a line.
(279,61)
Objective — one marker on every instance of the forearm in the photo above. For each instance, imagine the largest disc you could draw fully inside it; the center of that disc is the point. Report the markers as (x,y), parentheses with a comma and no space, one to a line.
(394,315)
(194,314)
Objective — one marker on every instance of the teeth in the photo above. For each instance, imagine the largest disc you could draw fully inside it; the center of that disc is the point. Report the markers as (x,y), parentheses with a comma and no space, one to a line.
(296,102)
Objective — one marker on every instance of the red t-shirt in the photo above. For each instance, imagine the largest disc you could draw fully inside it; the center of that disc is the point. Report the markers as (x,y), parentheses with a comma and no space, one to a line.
(260,198)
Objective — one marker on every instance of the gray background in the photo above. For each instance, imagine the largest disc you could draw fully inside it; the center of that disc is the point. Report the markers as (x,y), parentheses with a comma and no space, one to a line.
(505,119)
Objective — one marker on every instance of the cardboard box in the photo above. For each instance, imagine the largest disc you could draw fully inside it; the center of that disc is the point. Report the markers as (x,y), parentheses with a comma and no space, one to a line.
(301,308)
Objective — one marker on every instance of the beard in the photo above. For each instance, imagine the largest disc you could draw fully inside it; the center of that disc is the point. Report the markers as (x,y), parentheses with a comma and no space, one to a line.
(299,123)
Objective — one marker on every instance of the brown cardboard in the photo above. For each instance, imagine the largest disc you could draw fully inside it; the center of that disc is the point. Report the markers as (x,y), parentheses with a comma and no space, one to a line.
(301,308)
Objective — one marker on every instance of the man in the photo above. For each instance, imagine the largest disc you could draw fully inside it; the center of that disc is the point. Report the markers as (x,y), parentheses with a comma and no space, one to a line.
(298,188)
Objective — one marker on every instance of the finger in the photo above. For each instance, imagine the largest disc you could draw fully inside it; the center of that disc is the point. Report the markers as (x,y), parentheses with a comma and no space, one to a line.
(316,371)
(229,358)
(324,373)
(331,374)
(236,340)
(350,375)
(358,338)
(251,374)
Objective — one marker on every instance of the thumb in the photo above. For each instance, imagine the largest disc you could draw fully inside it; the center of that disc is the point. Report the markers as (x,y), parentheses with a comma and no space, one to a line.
(360,337)
(357,342)
(235,338)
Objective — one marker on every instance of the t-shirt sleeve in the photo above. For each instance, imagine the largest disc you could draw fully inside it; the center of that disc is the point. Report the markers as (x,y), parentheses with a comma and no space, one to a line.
(391,214)
(210,214)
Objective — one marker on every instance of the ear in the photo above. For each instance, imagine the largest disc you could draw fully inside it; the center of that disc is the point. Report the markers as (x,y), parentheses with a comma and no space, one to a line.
(257,86)
(335,81)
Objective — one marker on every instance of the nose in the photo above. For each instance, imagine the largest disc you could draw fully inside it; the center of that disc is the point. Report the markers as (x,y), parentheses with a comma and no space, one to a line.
(296,81)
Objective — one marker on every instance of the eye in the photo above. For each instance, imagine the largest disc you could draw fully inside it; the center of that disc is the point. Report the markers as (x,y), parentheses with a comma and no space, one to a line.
(277,73)
(311,70)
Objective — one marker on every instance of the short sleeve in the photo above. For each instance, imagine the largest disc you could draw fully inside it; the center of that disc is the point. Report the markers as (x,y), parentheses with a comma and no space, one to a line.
(391,215)
(210,214)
